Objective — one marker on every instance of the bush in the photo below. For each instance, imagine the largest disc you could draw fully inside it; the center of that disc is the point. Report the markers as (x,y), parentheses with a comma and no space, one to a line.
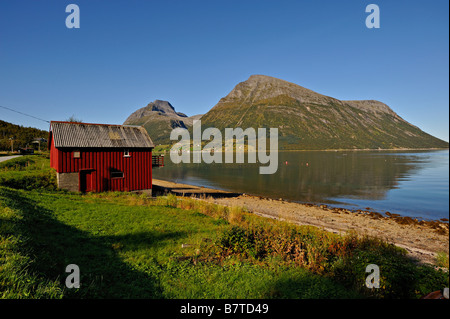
(237,240)
(28,172)
(45,179)
(400,277)
(341,258)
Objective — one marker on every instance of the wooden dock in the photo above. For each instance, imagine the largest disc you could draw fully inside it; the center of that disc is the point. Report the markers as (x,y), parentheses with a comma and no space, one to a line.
(162,187)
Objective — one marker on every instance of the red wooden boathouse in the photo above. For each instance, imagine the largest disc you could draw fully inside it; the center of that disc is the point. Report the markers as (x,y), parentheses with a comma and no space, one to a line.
(101,157)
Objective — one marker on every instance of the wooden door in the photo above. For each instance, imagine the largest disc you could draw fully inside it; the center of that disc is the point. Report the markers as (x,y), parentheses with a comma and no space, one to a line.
(86,181)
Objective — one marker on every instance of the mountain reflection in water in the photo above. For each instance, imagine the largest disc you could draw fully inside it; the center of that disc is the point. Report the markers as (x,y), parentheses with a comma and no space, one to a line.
(412,183)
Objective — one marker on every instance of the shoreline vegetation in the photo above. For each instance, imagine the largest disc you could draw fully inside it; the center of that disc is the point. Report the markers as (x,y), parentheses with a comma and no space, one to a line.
(129,245)
(163,149)
(424,240)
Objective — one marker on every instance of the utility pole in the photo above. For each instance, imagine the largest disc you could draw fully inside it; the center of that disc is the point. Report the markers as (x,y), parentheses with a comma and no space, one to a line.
(12,144)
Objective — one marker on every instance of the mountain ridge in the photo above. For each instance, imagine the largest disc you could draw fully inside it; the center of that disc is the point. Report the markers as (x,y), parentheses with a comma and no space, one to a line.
(306,120)
(159,118)
(310,120)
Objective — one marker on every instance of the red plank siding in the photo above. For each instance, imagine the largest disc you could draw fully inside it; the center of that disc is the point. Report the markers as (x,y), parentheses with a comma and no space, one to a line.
(136,168)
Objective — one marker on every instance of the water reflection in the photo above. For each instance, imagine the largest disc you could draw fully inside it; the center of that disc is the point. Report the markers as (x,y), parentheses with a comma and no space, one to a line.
(361,178)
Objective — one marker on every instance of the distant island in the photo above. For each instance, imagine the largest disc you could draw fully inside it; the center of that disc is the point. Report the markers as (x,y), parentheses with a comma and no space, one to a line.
(306,120)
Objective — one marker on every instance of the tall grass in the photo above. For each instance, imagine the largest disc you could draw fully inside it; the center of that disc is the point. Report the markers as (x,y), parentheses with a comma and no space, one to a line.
(442,259)
(28,172)
(342,257)
(16,279)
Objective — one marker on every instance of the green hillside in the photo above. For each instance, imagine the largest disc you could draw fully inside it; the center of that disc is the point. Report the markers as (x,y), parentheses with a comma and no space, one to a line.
(308,120)
(23,136)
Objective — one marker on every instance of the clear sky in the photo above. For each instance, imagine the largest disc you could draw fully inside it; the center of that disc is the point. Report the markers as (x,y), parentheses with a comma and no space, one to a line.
(192,53)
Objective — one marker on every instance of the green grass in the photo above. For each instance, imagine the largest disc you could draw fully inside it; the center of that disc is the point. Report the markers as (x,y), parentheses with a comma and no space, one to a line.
(27,162)
(442,259)
(161,149)
(16,278)
(132,251)
(28,172)
(130,246)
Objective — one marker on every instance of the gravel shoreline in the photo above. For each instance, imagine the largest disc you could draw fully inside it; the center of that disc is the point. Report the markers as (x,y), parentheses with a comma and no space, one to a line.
(423,240)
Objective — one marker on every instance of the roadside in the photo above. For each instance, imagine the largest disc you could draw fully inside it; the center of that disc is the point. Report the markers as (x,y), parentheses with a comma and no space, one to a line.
(6,158)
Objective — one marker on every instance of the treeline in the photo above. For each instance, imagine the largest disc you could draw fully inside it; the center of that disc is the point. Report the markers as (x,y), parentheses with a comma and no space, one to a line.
(22,136)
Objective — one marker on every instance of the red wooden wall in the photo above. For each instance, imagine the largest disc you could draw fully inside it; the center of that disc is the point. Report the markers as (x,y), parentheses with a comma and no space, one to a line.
(137,168)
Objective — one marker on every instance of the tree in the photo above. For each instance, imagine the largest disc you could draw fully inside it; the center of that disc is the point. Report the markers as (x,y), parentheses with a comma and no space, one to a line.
(73,119)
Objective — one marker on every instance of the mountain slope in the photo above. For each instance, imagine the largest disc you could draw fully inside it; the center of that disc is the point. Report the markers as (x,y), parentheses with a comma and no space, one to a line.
(309,120)
(159,118)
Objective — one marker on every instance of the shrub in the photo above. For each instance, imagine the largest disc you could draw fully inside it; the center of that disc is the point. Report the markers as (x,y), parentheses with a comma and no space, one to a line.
(237,240)
(28,172)
(45,179)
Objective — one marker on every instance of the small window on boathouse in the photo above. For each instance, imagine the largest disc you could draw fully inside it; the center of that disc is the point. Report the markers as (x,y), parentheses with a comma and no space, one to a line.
(116,173)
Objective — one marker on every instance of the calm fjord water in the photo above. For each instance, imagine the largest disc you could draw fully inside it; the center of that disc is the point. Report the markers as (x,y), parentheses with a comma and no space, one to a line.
(410,183)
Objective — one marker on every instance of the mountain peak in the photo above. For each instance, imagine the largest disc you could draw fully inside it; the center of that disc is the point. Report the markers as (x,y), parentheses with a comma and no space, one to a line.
(310,120)
(161,106)
(159,118)
(261,87)
(305,119)
(157,107)
(261,77)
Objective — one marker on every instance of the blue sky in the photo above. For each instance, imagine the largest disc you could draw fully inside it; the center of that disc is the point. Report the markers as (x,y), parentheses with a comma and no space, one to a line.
(192,53)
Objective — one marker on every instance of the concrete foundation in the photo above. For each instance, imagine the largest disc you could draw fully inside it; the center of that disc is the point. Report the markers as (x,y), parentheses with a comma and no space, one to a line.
(68,181)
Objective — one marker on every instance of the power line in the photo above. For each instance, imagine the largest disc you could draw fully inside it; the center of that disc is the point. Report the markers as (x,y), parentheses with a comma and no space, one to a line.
(37,118)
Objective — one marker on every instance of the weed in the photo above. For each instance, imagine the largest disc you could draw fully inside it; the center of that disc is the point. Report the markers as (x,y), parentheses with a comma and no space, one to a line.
(442,259)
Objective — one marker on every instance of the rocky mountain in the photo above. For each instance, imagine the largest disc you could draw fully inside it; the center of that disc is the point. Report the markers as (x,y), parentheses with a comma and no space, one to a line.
(159,118)
(309,120)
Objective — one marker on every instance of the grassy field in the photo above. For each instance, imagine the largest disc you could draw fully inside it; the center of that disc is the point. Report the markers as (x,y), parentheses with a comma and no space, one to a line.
(130,251)
(131,246)
(28,172)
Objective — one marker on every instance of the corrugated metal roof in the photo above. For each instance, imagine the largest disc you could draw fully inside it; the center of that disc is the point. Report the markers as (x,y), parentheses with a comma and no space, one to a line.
(80,135)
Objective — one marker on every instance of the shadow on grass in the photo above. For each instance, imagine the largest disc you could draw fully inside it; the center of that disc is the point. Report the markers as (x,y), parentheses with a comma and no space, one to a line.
(309,287)
(55,245)
(139,240)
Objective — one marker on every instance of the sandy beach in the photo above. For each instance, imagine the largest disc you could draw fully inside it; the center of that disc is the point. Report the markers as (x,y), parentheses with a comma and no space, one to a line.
(421,239)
